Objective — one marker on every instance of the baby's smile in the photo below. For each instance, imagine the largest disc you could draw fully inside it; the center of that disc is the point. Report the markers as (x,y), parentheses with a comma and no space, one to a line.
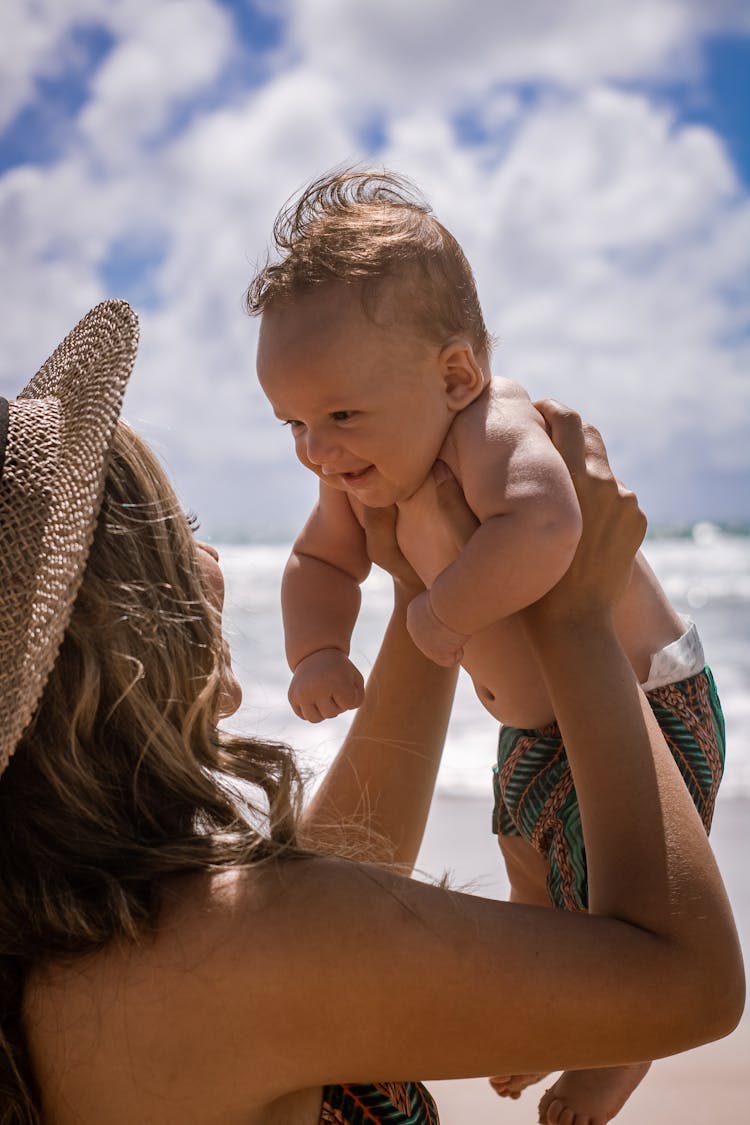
(346,476)
(358,474)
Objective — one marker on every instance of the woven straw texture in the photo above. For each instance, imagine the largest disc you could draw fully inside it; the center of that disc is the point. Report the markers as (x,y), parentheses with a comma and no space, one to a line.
(60,429)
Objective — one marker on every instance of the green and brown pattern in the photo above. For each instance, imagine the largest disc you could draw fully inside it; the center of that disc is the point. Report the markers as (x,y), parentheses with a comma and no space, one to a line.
(535,797)
(383,1103)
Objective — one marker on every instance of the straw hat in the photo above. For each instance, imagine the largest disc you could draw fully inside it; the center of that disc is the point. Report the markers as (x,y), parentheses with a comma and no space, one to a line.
(54,441)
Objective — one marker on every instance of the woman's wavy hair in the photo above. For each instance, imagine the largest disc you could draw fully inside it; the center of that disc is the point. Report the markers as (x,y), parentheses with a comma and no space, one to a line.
(123,779)
(374,231)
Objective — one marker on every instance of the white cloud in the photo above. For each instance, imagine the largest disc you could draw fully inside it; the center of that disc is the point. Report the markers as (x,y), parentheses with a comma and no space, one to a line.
(609,242)
(36,44)
(605,239)
(434,51)
(226,178)
(51,246)
(162,51)
(626,176)
(170,52)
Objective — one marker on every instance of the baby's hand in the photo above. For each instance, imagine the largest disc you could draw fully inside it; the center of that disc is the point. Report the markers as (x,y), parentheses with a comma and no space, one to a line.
(434,639)
(324,684)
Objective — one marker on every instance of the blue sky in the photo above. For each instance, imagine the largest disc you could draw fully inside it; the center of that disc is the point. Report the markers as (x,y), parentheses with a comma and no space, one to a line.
(592,157)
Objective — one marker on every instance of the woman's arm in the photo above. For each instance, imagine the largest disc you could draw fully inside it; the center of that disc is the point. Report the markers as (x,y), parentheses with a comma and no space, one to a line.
(374,799)
(322,971)
(644,842)
(438,984)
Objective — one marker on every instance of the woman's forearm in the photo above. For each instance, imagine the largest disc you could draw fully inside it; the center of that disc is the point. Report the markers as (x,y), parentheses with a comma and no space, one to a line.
(649,861)
(375,797)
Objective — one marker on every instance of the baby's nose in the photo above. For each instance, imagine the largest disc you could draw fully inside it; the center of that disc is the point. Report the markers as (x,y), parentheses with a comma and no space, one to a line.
(321,448)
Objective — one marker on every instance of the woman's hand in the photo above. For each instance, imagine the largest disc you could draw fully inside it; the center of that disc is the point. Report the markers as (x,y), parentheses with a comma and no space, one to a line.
(435,640)
(457,515)
(380,529)
(383,549)
(613,524)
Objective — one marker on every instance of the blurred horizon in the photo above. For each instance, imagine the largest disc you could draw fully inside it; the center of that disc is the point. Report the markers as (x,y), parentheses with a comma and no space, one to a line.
(593,160)
(702,531)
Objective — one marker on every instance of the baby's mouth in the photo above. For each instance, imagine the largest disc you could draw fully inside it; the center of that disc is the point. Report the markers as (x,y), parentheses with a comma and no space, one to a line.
(354,478)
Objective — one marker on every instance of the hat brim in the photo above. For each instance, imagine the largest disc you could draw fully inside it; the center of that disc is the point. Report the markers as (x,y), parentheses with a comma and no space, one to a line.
(74,402)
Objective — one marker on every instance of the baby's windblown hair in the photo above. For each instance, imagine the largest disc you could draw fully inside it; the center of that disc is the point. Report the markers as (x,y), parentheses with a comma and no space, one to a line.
(372,230)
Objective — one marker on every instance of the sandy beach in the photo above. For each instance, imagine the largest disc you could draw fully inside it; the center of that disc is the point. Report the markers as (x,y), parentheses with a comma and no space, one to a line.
(705,1085)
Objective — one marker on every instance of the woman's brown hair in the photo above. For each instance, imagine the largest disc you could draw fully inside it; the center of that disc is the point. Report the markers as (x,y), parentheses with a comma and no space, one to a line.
(123,779)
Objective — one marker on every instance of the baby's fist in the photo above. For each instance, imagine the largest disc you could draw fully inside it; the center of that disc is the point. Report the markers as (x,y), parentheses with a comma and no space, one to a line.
(434,639)
(324,684)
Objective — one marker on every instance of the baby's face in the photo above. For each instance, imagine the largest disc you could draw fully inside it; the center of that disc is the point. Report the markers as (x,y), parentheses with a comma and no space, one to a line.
(367,406)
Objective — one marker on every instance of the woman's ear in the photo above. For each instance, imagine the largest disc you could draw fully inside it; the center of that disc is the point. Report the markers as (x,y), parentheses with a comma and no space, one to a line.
(463,377)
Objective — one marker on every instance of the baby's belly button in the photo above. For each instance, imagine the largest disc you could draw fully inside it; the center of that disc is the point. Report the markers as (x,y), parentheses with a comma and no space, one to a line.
(485,694)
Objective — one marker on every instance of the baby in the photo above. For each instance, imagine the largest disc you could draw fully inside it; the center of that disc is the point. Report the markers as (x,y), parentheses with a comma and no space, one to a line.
(374,351)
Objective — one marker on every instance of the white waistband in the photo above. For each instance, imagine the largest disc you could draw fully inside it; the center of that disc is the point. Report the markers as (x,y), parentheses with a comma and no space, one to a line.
(677,661)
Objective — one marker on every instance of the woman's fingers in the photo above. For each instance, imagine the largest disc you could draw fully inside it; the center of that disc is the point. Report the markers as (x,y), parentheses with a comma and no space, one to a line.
(569,435)
(613,524)
(458,516)
(380,526)
(579,443)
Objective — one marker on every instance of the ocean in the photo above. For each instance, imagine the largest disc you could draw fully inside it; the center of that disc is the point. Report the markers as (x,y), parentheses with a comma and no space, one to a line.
(705,571)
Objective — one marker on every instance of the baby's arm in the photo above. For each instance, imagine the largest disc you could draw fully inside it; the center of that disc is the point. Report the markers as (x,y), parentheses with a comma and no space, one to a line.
(518,486)
(320,600)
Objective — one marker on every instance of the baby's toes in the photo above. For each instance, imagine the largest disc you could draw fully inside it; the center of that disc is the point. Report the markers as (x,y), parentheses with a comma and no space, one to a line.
(553,1111)
(503,1086)
(513,1085)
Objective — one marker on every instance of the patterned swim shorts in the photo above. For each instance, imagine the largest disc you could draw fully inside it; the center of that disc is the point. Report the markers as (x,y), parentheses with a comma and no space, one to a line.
(394,1103)
(535,797)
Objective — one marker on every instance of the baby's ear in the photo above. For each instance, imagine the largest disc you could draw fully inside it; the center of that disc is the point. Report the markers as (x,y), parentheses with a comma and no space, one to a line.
(463,378)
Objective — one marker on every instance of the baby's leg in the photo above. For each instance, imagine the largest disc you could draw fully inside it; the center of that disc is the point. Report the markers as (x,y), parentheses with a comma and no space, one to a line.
(578,1097)
(535,795)
(535,800)
(689,714)
(527,874)
(586,1097)
(527,871)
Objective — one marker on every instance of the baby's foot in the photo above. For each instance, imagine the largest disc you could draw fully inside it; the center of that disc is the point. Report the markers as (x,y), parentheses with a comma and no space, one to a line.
(590,1097)
(513,1085)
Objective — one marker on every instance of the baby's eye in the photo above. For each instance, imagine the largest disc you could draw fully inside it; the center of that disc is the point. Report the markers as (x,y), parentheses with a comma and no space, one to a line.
(293,423)
(343,415)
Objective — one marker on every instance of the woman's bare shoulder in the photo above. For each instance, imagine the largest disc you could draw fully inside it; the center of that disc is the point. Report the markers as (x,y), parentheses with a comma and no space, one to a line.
(291,975)
(161,1006)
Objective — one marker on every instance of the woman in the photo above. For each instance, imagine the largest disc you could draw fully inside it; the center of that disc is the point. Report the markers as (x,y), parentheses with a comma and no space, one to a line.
(173,949)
